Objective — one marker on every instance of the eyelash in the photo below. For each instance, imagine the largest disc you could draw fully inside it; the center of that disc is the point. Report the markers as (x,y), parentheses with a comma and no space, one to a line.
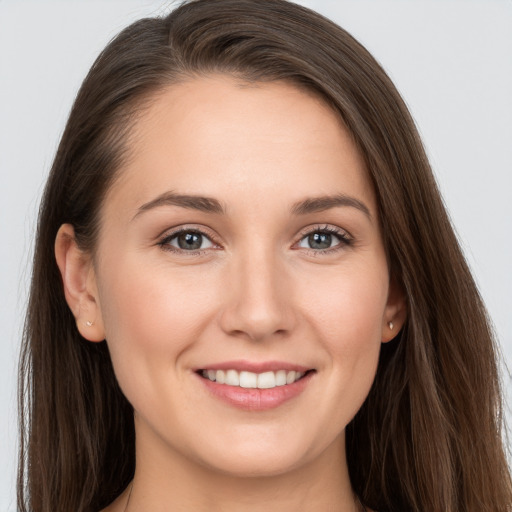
(345,240)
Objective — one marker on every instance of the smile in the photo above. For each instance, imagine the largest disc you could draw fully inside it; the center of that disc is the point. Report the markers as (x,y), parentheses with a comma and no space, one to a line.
(253,386)
(251,380)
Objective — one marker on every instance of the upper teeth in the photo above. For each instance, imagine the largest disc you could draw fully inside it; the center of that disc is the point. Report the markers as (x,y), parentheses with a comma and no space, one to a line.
(245,379)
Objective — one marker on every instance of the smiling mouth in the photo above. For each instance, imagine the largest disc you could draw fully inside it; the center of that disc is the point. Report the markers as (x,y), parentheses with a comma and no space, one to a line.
(250,380)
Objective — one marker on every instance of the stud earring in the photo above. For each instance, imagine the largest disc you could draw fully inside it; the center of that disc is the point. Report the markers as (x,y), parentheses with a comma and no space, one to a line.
(391,325)
(88,323)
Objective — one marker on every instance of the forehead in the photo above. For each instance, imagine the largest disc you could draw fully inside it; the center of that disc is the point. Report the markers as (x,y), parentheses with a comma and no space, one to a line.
(218,136)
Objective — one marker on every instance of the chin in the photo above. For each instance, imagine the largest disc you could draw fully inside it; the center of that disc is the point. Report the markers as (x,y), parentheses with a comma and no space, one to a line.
(266,465)
(259,459)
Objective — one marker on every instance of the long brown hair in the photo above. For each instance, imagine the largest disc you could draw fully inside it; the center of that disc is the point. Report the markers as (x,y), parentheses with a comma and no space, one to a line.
(428,437)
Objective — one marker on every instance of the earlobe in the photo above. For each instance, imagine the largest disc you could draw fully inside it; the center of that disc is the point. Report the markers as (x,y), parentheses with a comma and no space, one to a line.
(395,313)
(79,282)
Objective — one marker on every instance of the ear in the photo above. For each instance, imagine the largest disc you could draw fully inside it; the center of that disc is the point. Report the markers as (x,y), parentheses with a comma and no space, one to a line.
(79,280)
(395,313)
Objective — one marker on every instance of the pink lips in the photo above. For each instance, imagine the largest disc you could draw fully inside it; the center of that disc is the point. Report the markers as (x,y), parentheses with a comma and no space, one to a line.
(256,367)
(254,399)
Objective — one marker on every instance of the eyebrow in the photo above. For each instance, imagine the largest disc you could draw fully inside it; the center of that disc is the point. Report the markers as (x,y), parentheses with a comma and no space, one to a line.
(211,205)
(322,203)
(203,204)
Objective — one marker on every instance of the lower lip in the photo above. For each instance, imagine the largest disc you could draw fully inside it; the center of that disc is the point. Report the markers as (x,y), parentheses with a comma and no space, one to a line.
(254,399)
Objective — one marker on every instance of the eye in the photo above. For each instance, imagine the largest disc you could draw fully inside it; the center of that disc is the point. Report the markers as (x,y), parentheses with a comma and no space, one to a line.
(187,240)
(324,239)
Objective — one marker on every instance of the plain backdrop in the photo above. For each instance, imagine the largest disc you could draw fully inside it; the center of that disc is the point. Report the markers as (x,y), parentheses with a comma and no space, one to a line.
(451,60)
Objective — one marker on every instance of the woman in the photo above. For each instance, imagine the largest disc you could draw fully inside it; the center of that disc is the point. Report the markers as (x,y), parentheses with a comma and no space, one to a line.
(239,293)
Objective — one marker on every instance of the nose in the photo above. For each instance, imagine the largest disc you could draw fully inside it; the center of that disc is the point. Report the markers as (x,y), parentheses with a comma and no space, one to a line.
(258,302)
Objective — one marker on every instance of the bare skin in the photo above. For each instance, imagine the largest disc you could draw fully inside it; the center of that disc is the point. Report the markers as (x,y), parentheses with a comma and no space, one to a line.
(284,264)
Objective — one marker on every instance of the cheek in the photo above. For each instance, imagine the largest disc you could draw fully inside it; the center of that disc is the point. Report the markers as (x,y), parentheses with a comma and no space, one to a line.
(152,314)
(347,315)
(348,305)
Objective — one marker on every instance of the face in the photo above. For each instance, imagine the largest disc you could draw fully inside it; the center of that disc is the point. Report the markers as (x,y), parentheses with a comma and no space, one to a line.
(240,277)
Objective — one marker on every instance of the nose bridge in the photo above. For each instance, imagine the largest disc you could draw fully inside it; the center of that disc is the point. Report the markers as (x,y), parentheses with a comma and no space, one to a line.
(258,302)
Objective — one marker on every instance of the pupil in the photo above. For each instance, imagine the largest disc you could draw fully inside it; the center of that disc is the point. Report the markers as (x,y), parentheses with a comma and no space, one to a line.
(320,240)
(190,241)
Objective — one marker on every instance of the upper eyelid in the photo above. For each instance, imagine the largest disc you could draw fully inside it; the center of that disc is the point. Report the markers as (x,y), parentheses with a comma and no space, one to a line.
(172,232)
(207,231)
(330,228)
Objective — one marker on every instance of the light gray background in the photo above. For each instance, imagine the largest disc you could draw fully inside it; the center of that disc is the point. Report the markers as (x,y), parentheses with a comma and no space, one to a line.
(451,60)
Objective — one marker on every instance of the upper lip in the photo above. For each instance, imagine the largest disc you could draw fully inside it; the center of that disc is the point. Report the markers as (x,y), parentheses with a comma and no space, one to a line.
(255,366)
